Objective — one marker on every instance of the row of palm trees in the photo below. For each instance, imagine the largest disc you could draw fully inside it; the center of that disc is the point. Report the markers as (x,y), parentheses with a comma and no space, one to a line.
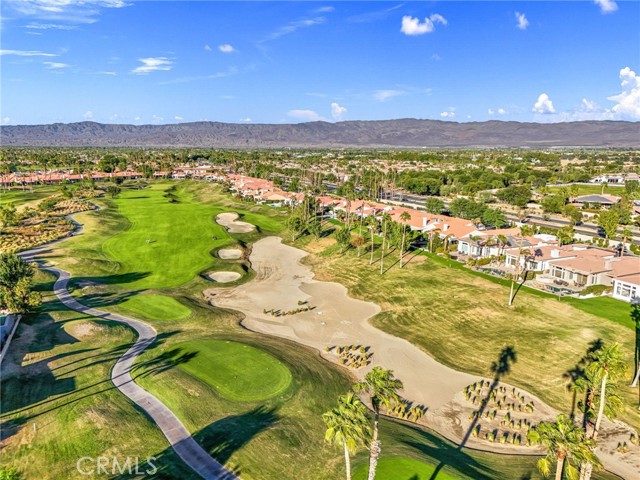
(349,426)
(569,444)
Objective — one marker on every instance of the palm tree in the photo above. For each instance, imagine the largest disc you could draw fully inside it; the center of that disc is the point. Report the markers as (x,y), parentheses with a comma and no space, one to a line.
(503,241)
(432,236)
(347,426)
(566,445)
(607,365)
(385,222)
(404,218)
(372,223)
(382,388)
(358,242)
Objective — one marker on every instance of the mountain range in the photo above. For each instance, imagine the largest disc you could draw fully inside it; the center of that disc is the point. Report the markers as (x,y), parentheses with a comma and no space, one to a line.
(411,133)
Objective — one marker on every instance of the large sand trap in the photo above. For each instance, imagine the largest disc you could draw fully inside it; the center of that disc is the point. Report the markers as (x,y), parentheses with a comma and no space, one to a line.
(223,277)
(230,221)
(282,280)
(230,253)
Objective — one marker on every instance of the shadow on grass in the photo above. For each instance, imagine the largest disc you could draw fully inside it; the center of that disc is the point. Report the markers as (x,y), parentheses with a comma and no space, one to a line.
(121,278)
(500,368)
(221,439)
(163,362)
(36,390)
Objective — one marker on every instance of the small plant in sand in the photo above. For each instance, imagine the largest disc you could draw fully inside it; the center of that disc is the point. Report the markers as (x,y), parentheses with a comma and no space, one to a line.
(280,313)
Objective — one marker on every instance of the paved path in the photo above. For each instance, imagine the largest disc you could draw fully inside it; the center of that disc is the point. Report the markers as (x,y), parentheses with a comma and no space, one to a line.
(179,437)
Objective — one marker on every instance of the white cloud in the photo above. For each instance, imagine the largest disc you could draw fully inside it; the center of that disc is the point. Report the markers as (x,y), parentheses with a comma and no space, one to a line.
(293,27)
(327,9)
(245,120)
(50,26)
(307,115)
(384,95)
(136,119)
(589,105)
(88,115)
(156,119)
(178,118)
(55,65)
(606,6)
(107,73)
(448,113)
(502,111)
(412,26)
(226,48)
(208,48)
(627,101)
(6,120)
(27,53)
(543,105)
(436,57)
(227,73)
(72,11)
(152,64)
(523,23)
(337,111)
(490,111)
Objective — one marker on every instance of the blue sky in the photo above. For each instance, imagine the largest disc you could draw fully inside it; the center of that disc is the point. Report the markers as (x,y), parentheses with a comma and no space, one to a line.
(143,62)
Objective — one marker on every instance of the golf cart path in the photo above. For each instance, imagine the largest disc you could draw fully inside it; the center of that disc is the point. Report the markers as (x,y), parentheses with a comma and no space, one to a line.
(178,436)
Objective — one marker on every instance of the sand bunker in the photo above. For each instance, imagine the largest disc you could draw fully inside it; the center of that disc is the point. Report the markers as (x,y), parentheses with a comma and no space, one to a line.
(283,284)
(223,277)
(230,221)
(230,253)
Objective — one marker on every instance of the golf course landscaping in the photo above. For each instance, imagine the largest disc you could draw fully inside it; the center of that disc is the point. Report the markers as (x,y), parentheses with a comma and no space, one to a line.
(253,401)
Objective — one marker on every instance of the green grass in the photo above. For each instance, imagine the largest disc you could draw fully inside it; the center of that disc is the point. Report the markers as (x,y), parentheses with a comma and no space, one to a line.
(155,307)
(237,371)
(167,243)
(21,197)
(591,189)
(402,468)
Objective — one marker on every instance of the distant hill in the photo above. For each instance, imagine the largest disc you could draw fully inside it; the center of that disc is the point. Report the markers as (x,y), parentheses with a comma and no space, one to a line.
(383,133)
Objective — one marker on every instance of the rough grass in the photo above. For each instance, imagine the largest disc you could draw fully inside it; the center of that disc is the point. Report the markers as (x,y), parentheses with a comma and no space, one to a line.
(592,189)
(155,307)
(462,319)
(402,468)
(237,371)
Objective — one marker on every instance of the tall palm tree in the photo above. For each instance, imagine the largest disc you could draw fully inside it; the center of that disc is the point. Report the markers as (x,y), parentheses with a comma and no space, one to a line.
(566,444)
(503,241)
(385,221)
(404,218)
(382,388)
(607,365)
(432,236)
(347,426)
(372,224)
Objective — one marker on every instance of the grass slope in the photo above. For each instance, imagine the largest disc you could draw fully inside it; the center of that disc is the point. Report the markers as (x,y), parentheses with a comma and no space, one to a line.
(155,307)
(402,468)
(237,371)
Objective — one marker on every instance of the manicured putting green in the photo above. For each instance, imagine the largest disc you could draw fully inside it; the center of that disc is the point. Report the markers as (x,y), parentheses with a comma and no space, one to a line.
(169,240)
(156,307)
(236,371)
(402,468)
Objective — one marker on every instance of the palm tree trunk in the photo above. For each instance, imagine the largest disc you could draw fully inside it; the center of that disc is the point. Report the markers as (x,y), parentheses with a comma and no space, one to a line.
(559,468)
(603,387)
(586,469)
(384,237)
(511,291)
(371,259)
(404,233)
(374,451)
(347,461)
